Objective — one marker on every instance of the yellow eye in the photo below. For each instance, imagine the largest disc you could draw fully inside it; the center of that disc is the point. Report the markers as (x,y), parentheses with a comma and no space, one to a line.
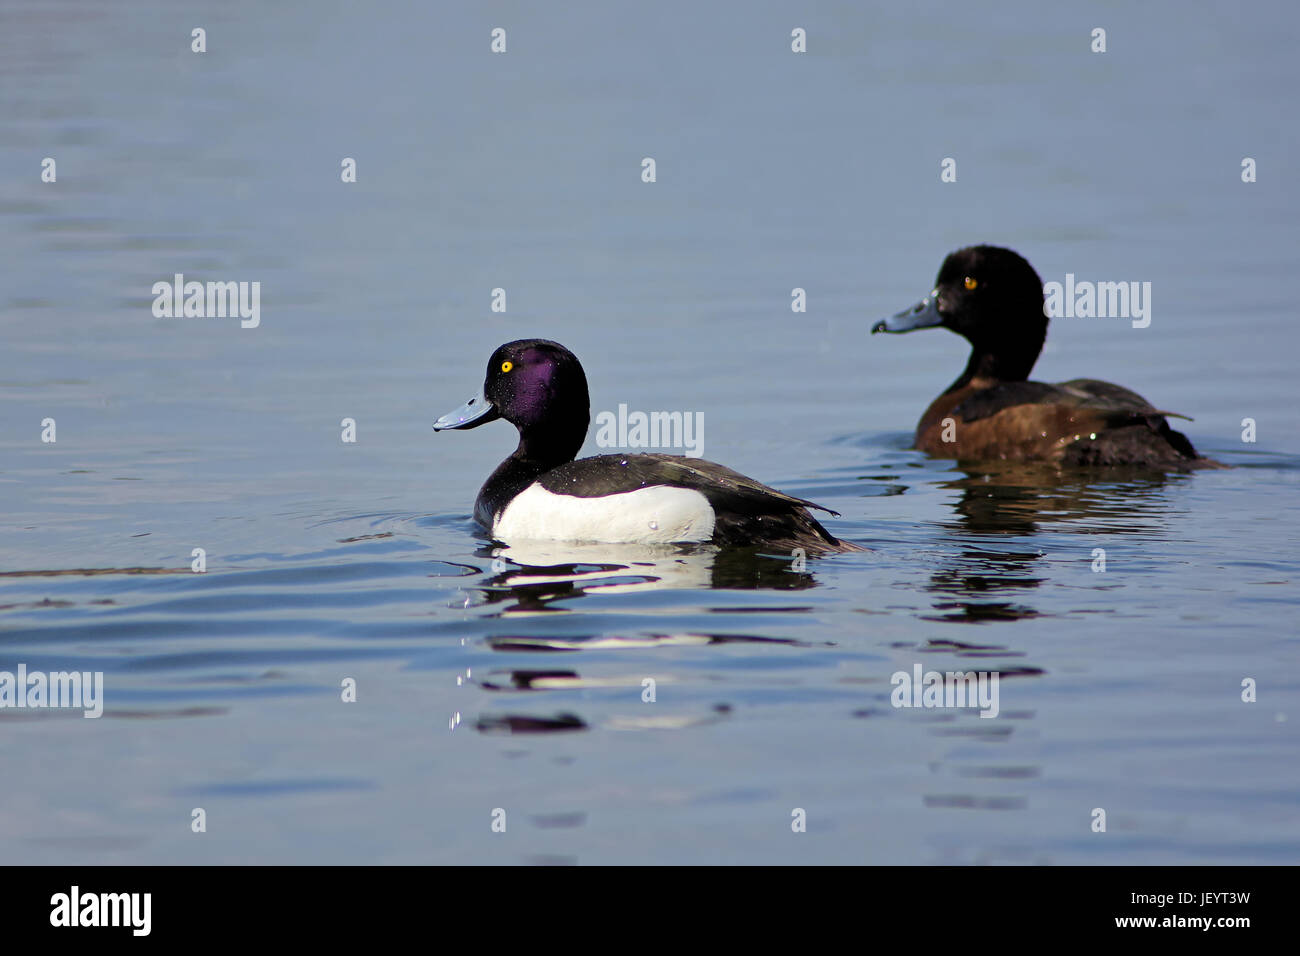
(970,284)
(507,365)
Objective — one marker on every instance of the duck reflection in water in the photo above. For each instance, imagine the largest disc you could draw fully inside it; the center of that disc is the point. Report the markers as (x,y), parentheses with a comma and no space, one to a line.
(547,577)
(538,577)
(1018,500)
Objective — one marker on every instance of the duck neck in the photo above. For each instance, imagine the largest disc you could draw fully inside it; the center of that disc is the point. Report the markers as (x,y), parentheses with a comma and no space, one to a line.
(543,447)
(1003,364)
(540,449)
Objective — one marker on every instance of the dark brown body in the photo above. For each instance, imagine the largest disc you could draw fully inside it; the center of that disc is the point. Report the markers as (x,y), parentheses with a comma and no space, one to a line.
(1081,422)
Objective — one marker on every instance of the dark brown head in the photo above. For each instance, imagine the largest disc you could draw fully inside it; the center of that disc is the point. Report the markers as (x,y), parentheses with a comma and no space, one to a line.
(994,299)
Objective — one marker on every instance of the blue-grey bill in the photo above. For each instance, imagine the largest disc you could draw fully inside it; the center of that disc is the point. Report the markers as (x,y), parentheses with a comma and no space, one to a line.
(477,411)
(923,315)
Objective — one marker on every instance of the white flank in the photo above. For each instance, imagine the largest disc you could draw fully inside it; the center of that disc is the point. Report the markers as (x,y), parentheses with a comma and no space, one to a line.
(656,515)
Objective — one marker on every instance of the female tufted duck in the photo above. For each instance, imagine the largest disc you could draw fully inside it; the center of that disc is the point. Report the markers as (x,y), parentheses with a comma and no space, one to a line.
(541,493)
(993,298)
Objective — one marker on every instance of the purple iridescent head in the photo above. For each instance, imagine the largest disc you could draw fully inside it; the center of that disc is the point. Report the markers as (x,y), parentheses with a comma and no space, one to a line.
(534,384)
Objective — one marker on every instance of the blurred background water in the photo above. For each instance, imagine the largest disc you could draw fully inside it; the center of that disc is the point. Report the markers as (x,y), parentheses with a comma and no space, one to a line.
(517,684)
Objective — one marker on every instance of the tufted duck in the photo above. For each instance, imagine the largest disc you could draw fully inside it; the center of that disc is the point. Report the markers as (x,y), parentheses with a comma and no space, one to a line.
(541,493)
(993,298)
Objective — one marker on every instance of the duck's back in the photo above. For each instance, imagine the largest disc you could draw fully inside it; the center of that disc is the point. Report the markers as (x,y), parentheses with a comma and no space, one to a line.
(1081,422)
(671,491)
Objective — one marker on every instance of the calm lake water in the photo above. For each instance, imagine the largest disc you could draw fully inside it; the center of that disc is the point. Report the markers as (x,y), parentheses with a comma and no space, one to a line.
(511,680)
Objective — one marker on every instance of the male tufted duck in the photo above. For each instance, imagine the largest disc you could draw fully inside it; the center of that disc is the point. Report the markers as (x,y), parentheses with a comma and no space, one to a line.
(541,493)
(993,298)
